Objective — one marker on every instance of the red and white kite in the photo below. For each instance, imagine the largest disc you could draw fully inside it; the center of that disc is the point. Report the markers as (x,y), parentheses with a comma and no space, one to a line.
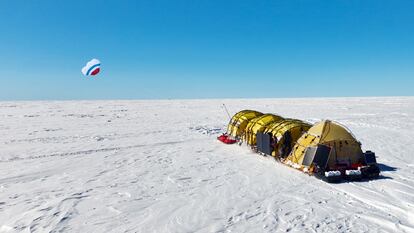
(92,67)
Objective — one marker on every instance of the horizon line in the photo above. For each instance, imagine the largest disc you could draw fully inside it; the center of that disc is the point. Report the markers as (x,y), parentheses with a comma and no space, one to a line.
(207,98)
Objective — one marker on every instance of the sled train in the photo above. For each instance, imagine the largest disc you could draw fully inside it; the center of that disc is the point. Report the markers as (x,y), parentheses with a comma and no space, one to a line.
(326,149)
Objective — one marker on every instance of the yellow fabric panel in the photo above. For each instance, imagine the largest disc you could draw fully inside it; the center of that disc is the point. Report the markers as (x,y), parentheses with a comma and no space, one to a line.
(348,151)
(317,128)
(278,129)
(239,122)
(258,124)
(299,149)
(344,147)
(333,131)
(330,131)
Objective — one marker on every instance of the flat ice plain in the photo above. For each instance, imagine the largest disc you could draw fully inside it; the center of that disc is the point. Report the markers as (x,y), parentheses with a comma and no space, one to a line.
(156,166)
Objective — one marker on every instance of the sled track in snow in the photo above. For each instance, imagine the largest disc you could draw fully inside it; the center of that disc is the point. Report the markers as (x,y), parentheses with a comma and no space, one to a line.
(88,152)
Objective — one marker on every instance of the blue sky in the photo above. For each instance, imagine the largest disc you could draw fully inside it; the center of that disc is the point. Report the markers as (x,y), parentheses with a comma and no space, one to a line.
(206,49)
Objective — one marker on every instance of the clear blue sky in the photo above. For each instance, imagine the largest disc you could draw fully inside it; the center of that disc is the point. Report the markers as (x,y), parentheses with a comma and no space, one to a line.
(206,49)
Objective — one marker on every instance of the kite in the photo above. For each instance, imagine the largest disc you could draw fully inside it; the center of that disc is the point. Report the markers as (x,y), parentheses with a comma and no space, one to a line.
(92,67)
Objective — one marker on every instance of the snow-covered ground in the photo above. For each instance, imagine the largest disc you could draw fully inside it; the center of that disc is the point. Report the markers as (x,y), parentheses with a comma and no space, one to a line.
(155,166)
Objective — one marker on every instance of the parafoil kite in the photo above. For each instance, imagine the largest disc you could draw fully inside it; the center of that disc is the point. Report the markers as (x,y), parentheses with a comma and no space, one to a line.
(92,67)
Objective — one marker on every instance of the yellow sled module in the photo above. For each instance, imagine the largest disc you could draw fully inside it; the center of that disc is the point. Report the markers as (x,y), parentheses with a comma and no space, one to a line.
(239,121)
(344,148)
(284,135)
(258,125)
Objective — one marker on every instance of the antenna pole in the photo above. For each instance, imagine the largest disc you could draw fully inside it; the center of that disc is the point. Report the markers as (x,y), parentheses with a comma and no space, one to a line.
(228,114)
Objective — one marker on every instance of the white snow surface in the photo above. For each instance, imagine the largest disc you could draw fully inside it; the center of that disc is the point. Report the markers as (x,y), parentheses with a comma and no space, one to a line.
(156,166)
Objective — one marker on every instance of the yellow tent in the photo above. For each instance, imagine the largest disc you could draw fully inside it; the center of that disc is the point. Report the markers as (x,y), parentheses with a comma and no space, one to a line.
(344,147)
(239,122)
(258,124)
(285,133)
